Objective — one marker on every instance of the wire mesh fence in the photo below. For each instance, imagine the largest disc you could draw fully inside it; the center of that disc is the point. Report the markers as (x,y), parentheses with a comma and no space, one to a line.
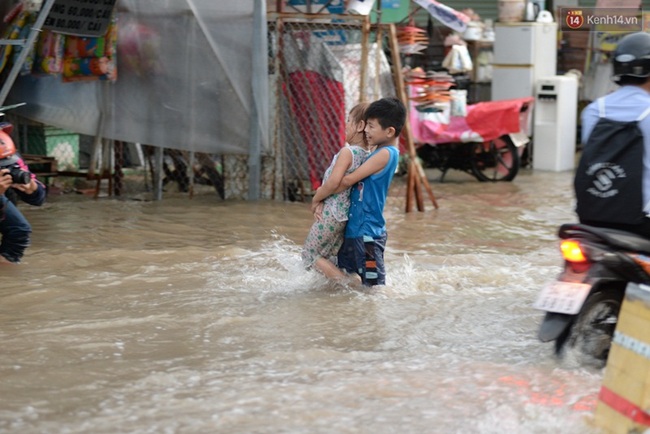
(321,70)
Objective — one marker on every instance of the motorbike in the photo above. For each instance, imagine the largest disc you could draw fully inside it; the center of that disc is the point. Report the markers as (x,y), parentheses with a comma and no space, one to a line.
(492,161)
(582,305)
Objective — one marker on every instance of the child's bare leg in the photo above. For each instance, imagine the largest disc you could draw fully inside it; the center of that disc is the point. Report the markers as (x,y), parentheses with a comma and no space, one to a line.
(331,271)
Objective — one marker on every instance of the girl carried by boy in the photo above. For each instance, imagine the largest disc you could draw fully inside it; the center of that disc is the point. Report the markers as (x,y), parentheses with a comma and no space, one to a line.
(361,253)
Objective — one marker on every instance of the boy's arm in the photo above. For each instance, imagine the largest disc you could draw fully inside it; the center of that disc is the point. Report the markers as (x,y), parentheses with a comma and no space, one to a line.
(374,164)
(331,184)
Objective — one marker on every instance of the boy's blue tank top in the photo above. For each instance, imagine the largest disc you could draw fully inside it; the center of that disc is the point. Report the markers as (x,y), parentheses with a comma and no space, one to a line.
(368,197)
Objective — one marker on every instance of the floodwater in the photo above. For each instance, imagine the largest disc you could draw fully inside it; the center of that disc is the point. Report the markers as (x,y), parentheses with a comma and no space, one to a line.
(195,316)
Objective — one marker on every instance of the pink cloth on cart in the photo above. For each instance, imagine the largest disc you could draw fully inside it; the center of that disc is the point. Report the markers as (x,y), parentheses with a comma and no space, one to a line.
(485,121)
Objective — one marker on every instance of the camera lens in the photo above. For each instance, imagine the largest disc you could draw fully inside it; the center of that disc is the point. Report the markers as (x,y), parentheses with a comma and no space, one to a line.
(22,177)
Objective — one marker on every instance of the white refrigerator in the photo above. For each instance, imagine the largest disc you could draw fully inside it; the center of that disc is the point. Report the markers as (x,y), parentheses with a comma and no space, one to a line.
(523,53)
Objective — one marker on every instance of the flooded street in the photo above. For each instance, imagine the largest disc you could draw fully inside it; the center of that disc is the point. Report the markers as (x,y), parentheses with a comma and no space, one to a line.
(195,316)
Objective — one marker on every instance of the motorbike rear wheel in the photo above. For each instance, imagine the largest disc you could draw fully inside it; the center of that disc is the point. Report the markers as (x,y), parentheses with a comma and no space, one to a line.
(496,160)
(589,338)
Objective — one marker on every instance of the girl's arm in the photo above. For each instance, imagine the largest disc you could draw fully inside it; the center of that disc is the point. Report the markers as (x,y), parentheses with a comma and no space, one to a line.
(331,184)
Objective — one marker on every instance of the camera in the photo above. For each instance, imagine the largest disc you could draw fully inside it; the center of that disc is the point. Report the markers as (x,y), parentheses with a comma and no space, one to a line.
(18,175)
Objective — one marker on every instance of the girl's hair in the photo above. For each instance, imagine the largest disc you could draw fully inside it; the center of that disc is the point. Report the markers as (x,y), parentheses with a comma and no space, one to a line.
(358,112)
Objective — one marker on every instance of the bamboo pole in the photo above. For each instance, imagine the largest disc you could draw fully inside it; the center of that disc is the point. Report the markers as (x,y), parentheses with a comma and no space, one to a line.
(410,187)
(365,36)
(414,163)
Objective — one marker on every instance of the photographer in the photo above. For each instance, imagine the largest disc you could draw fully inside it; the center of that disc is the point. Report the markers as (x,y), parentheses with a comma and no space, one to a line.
(14,174)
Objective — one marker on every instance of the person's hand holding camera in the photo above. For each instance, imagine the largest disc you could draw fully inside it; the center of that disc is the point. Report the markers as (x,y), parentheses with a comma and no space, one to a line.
(27,188)
(5,180)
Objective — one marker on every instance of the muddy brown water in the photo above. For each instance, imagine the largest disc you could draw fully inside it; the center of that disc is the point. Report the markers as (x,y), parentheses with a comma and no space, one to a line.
(195,316)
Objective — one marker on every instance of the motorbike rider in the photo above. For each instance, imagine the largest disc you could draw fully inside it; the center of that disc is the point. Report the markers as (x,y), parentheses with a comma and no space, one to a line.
(628,104)
(14,228)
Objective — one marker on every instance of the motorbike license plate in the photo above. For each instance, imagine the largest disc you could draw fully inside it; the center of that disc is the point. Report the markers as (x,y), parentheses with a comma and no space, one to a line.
(562,297)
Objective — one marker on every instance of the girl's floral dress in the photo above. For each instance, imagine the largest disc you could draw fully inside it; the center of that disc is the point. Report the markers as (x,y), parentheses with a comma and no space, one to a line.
(326,236)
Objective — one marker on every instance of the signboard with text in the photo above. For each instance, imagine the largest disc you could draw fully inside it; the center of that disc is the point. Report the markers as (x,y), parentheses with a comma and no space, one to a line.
(89,18)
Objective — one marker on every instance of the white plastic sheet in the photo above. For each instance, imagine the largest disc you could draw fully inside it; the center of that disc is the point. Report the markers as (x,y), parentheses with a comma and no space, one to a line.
(448,16)
(188,78)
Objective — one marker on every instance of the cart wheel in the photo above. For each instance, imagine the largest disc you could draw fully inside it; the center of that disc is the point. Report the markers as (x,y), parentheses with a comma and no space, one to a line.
(497,160)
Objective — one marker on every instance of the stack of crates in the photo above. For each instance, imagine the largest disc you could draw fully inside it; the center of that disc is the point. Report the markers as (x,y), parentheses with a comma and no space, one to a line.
(624,400)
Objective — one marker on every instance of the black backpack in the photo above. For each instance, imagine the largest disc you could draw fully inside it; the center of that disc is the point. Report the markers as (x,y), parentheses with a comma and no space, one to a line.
(609,178)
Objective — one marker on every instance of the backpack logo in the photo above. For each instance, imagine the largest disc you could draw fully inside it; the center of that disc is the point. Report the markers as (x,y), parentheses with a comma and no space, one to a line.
(604,174)
(608,181)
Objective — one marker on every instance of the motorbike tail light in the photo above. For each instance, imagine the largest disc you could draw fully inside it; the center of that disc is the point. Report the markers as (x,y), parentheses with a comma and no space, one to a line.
(572,252)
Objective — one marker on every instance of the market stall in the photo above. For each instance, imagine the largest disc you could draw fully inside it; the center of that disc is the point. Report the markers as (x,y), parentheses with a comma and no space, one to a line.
(190,76)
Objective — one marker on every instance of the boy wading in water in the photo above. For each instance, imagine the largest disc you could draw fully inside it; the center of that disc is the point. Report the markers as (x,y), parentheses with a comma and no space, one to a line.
(362,253)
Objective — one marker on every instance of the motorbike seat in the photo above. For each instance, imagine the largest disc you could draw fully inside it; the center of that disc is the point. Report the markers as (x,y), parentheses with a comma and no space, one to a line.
(614,237)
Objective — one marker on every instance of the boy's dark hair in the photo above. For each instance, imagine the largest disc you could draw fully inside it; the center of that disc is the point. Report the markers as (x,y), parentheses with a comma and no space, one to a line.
(389,112)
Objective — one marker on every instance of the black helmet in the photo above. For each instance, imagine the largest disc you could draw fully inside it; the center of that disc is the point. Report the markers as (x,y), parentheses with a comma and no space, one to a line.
(632,56)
